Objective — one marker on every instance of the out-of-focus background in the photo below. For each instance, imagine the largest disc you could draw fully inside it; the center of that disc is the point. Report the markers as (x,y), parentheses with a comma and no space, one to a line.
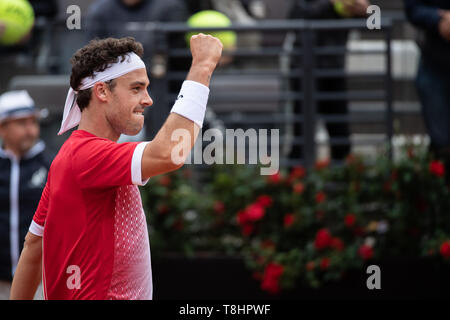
(255,83)
(362,171)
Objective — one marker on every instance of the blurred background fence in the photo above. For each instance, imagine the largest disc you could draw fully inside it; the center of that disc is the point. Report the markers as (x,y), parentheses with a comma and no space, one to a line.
(258,87)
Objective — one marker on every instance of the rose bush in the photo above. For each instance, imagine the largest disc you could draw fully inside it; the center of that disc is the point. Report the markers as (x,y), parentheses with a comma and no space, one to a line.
(305,226)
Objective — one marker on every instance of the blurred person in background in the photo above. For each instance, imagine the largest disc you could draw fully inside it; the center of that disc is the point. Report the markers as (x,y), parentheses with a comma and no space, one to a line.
(40,12)
(326,9)
(432,18)
(108,18)
(27,52)
(24,164)
(45,12)
(244,12)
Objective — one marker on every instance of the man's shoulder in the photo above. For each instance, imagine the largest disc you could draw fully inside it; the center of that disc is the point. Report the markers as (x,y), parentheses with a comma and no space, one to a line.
(83,148)
(77,141)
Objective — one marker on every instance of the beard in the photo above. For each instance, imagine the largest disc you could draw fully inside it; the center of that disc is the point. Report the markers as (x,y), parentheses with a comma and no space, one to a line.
(26,144)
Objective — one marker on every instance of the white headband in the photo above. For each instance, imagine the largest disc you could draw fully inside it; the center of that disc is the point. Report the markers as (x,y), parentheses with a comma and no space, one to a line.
(72,113)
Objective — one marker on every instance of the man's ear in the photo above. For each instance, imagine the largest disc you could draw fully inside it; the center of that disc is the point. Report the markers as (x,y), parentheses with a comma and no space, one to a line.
(100,91)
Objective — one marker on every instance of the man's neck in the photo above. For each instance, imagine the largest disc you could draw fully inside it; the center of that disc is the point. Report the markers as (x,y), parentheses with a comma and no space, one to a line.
(99,127)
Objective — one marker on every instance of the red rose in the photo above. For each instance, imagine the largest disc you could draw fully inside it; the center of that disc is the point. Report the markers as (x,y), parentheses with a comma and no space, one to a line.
(445,249)
(219,207)
(437,168)
(365,252)
(320,197)
(324,263)
(265,200)
(270,285)
(247,229)
(297,173)
(275,178)
(271,278)
(323,239)
(321,164)
(165,180)
(274,270)
(255,212)
(242,217)
(298,188)
(350,220)
(288,220)
(337,244)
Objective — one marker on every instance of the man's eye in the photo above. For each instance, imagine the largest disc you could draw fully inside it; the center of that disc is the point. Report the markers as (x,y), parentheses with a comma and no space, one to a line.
(136,89)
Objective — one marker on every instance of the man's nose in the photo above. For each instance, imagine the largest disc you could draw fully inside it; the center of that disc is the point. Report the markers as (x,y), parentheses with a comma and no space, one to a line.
(147,101)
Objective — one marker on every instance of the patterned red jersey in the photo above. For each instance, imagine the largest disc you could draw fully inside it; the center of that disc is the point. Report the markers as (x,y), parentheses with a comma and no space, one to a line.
(95,238)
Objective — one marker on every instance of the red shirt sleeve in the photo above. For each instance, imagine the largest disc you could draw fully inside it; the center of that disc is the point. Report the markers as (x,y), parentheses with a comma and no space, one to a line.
(101,163)
(37,225)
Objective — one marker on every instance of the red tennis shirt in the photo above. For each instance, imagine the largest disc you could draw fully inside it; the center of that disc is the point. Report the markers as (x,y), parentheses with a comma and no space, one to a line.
(95,237)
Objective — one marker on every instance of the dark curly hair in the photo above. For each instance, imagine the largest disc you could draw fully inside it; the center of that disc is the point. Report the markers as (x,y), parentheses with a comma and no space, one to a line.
(96,56)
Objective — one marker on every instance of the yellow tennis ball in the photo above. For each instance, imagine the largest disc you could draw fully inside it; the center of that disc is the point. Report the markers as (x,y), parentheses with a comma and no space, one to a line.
(18,17)
(211,18)
(340,9)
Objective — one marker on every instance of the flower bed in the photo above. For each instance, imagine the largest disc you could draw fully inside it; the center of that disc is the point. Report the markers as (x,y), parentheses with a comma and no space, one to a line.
(305,227)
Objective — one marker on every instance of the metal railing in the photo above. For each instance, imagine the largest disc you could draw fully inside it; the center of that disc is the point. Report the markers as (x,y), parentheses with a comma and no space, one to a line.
(255,90)
(310,95)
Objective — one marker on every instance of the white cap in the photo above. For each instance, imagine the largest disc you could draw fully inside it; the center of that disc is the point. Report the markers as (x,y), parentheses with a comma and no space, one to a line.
(16,104)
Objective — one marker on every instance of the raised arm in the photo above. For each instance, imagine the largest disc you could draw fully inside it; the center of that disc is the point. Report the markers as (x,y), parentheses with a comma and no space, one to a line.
(158,156)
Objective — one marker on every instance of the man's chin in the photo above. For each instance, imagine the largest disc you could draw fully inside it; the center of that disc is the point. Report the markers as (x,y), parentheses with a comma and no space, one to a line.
(133,131)
(25,147)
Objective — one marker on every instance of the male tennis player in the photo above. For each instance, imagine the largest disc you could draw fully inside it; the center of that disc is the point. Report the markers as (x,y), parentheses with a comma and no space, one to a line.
(88,238)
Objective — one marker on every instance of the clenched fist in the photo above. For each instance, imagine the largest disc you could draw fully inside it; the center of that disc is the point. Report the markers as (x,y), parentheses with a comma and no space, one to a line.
(206,52)
(353,8)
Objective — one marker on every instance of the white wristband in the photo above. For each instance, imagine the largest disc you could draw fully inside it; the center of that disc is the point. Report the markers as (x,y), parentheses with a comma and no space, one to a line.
(36,229)
(191,102)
